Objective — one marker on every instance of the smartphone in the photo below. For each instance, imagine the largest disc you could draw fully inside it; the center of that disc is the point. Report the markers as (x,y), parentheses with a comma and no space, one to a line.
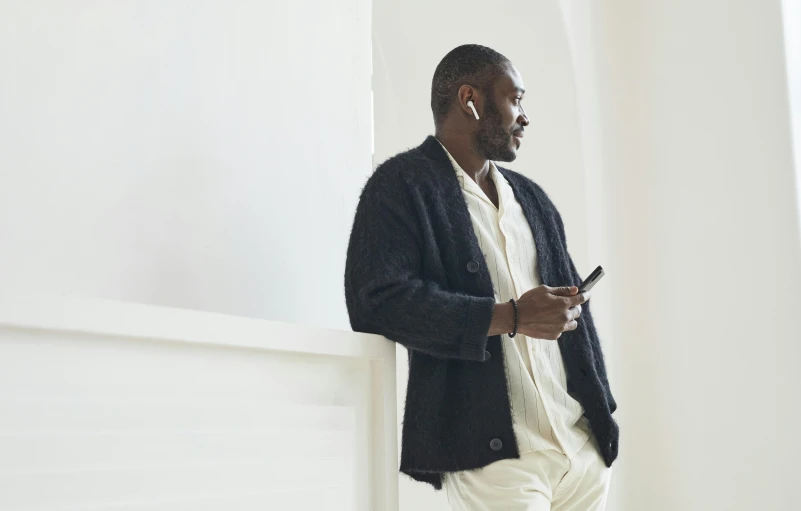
(593,279)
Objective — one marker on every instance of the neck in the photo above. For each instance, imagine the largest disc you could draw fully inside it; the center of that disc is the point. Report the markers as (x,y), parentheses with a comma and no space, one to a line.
(459,145)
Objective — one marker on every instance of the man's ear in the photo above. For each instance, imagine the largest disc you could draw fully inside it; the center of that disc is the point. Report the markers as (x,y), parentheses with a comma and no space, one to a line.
(470,102)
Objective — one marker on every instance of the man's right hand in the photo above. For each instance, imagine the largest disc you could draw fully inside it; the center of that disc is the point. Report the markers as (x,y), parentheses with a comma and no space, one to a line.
(545,312)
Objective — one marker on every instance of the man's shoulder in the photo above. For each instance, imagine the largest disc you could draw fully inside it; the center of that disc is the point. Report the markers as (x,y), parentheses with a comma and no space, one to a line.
(405,162)
(407,167)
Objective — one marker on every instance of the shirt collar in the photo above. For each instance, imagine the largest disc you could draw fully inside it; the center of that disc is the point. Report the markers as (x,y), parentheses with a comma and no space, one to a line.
(468,184)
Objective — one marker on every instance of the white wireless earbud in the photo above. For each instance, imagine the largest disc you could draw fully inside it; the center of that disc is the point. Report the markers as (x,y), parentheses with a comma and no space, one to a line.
(473,108)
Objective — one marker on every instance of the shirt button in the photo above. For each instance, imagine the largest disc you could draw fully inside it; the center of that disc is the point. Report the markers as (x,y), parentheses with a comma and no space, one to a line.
(496,444)
(472,266)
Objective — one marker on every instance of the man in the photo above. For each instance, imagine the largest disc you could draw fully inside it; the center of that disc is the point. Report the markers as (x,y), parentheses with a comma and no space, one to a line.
(508,404)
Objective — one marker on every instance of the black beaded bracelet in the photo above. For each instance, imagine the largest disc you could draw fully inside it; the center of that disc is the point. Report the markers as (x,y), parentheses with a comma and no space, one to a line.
(517,317)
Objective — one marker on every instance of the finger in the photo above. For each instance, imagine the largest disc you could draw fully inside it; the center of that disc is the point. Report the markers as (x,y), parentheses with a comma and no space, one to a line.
(572,325)
(564,291)
(580,298)
(575,312)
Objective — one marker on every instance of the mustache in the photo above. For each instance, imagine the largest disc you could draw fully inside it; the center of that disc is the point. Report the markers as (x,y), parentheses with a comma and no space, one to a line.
(518,130)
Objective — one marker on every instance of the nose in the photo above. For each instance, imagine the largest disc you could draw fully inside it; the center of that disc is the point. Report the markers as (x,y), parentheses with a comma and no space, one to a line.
(523,119)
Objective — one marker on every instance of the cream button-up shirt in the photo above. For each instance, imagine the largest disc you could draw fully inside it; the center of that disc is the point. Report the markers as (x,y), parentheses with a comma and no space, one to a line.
(544,415)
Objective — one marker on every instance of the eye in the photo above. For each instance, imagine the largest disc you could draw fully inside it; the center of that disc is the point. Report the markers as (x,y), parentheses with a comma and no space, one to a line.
(518,99)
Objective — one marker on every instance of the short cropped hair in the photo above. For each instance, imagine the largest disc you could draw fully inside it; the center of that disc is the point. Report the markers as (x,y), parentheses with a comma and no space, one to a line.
(470,64)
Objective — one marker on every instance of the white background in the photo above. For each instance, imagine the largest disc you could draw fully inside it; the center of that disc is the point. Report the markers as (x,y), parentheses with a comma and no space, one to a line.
(209,156)
(662,132)
(206,155)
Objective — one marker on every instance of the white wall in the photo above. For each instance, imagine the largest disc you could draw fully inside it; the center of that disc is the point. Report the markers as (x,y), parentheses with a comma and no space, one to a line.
(661,130)
(150,149)
(112,405)
(699,203)
(409,40)
(201,154)
(791,16)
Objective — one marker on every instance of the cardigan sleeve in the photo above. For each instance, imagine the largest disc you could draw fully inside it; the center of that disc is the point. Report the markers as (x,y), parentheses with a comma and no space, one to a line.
(386,293)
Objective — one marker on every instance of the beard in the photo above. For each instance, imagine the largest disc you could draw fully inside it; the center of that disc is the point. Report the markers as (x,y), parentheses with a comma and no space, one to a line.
(493,141)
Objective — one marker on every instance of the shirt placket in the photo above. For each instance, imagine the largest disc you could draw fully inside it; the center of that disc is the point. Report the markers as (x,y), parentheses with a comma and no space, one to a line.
(524,344)
(512,261)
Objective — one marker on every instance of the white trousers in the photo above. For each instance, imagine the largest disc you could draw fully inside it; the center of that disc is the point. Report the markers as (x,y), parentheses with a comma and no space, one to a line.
(537,481)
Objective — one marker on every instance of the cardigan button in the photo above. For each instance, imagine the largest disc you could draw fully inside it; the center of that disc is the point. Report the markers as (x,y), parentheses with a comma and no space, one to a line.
(487,356)
(472,266)
(496,444)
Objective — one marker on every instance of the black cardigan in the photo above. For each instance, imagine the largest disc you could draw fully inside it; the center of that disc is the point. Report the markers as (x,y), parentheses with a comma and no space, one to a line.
(415,274)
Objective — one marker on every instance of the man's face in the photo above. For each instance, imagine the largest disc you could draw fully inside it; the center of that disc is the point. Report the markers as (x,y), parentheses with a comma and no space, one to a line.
(500,130)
